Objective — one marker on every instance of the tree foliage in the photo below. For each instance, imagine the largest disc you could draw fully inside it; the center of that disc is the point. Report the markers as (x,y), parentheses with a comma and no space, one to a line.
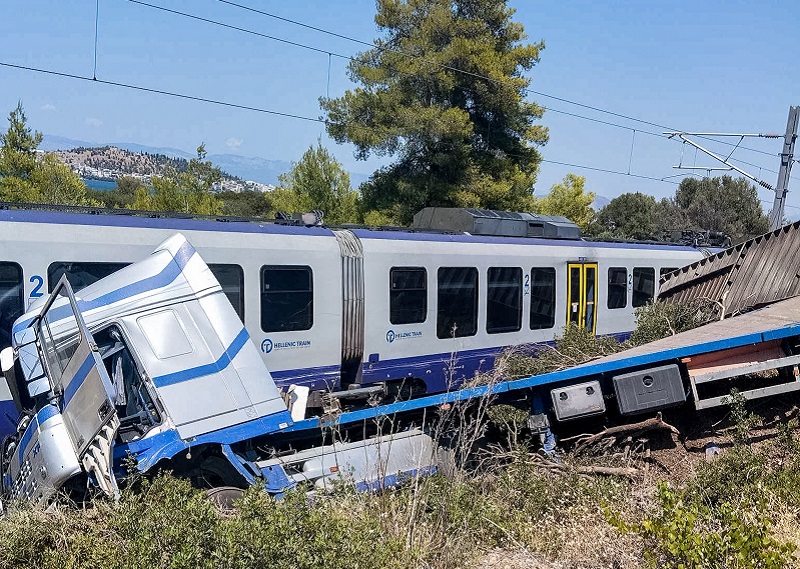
(461,138)
(638,216)
(725,204)
(27,177)
(318,181)
(248,203)
(570,199)
(19,143)
(186,192)
(57,183)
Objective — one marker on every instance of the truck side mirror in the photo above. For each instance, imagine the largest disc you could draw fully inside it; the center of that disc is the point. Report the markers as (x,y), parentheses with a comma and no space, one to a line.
(25,336)
(32,369)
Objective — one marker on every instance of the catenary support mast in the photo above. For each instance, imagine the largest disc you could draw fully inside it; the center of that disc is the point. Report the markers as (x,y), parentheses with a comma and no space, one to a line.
(787,157)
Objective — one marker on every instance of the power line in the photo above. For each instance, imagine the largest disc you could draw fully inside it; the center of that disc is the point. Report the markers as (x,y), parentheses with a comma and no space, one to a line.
(161,92)
(480,76)
(238,29)
(442,66)
(298,23)
(273,112)
(339,55)
(260,110)
(609,171)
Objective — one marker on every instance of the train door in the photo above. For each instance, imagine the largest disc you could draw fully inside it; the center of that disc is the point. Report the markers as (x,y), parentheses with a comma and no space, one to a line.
(582,295)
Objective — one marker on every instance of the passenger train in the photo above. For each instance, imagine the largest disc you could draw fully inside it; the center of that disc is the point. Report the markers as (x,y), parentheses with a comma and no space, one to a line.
(334,309)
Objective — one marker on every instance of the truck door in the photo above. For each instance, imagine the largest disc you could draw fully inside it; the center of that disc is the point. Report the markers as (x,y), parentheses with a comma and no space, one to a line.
(582,295)
(75,369)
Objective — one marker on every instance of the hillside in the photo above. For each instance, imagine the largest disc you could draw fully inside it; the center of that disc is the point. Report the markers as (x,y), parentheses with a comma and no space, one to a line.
(110,162)
(245,167)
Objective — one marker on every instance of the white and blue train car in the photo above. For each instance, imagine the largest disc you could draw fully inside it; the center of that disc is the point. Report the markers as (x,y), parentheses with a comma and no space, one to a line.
(336,308)
(440,307)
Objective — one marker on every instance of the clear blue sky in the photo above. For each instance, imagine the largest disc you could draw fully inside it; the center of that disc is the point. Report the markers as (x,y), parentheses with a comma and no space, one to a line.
(700,66)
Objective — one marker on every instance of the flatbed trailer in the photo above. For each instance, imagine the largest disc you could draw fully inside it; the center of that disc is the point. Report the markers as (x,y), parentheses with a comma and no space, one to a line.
(150,368)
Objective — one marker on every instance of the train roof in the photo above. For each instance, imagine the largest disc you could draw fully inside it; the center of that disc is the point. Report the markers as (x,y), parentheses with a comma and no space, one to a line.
(79,215)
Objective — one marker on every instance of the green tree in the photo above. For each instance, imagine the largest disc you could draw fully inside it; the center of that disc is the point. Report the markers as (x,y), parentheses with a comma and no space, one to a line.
(186,192)
(247,203)
(27,177)
(56,183)
(638,216)
(443,91)
(629,216)
(318,181)
(18,158)
(570,199)
(725,204)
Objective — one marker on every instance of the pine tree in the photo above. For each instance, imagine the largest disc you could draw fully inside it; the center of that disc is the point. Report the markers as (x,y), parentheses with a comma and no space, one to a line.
(18,158)
(443,91)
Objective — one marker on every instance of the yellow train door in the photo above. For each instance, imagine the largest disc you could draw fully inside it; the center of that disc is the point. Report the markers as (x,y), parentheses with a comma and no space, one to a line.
(582,295)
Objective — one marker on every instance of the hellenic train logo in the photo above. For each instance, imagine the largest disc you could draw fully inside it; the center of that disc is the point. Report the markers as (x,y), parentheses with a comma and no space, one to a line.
(266,346)
(392,336)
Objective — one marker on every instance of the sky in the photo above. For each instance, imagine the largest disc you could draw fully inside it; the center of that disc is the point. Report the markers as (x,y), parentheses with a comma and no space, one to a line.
(708,66)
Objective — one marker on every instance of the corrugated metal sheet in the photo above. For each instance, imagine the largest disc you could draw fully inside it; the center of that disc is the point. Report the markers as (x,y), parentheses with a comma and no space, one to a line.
(760,271)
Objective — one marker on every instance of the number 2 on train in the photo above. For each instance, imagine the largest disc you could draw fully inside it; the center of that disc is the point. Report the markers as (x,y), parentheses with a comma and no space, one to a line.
(37,281)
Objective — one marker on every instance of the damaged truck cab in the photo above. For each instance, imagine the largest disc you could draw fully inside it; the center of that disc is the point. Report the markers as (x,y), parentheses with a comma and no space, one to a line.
(152,367)
(152,355)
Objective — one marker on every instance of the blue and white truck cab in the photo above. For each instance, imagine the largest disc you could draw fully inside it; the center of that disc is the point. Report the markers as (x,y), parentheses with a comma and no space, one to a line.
(151,367)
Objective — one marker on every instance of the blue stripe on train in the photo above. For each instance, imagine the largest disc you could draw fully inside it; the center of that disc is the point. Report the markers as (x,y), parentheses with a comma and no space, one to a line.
(440,372)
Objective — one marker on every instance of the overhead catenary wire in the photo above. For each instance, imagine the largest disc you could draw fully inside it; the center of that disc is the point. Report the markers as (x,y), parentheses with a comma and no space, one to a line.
(442,66)
(159,91)
(473,74)
(595,169)
(255,109)
(331,54)
(239,29)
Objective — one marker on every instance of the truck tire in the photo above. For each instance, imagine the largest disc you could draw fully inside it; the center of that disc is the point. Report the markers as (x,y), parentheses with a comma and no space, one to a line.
(224,497)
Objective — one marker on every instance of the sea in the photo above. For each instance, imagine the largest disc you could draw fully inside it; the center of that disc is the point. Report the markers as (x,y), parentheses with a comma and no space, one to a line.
(103,185)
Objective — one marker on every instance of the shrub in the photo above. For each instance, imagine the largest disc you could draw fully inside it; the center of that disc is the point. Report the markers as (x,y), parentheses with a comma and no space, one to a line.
(682,534)
(659,320)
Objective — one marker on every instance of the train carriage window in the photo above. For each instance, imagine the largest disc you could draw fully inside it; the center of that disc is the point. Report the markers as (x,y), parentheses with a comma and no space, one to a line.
(408,295)
(12,300)
(80,274)
(617,287)
(644,286)
(543,298)
(504,300)
(231,279)
(287,298)
(457,302)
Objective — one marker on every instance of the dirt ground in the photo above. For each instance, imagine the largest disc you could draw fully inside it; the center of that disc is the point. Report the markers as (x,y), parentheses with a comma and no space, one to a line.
(593,543)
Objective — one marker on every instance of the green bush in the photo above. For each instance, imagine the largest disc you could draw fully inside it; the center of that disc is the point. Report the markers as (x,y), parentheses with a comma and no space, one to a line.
(167,524)
(682,534)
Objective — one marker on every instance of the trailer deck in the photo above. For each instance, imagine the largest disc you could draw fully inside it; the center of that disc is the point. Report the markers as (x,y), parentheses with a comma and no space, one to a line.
(754,333)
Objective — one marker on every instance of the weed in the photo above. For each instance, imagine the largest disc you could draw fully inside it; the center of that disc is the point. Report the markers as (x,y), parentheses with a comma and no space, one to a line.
(743,420)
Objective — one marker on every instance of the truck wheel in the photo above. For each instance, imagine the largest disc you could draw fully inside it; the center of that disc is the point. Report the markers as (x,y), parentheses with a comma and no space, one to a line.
(223,497)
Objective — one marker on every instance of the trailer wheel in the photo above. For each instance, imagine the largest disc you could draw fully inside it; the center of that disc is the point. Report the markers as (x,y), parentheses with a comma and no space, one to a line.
(223,497)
